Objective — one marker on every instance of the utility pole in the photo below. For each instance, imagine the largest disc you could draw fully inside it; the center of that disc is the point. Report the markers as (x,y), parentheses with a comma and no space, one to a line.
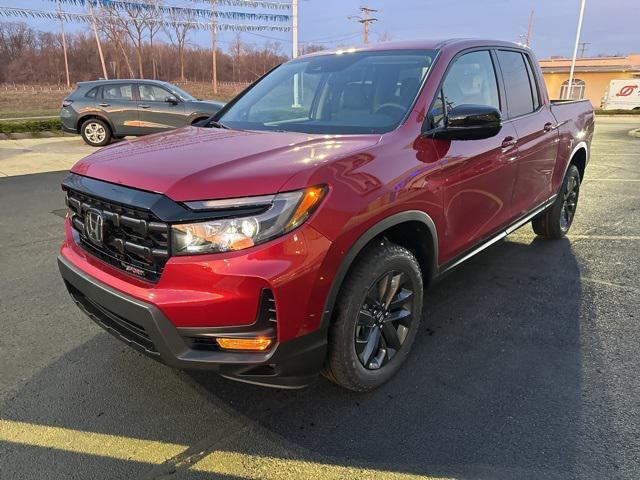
(214,38)
(575,48)
(583,47)
(365,20)
(95,32)
(294,28)
(530,29)
(64,46)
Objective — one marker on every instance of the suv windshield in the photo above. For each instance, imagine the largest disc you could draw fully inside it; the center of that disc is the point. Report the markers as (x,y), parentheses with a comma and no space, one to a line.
(342,93)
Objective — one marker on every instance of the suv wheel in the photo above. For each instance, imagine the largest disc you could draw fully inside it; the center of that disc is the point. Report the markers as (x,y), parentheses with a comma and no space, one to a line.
(378,314)
(557,219)
(95,132)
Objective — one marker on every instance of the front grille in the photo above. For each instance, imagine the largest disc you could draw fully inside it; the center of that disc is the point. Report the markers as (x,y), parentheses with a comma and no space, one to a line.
(133,240)
(127,330)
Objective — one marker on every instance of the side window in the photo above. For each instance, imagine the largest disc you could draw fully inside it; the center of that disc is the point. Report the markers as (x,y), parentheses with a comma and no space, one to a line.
(517,84)
(122,91)
(93,93)
(534,83)
(471,79)
(153,93)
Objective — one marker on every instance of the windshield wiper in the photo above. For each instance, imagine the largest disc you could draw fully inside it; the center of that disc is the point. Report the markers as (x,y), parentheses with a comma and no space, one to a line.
(210,123)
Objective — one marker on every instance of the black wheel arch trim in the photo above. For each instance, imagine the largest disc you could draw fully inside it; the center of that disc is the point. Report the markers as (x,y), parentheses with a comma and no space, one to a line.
(363,241)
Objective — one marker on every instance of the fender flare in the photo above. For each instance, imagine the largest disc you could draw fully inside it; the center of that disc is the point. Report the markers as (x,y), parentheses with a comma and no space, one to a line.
(363,240)
(580,146)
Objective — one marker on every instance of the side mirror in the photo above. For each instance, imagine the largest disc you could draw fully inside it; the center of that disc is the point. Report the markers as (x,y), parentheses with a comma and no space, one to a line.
(171,99)
(469,122)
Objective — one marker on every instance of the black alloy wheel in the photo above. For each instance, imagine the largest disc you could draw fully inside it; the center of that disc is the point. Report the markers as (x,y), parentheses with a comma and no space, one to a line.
(384,320)
(377,316)
(556,220)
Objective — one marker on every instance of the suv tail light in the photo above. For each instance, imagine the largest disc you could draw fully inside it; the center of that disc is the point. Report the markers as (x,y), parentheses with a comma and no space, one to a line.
(66,103)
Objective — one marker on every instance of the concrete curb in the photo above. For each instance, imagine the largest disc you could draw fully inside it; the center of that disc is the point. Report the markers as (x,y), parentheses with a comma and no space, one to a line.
(24,135)
(634,133)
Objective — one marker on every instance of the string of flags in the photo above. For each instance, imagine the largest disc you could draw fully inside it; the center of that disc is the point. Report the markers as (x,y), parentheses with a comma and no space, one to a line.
(183,11)
(86,18)
(225,3)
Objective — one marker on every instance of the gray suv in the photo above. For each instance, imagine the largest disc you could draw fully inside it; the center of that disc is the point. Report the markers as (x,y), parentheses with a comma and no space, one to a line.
(106,109)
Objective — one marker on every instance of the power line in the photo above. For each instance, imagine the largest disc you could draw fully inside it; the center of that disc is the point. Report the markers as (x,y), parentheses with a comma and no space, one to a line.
(365,20)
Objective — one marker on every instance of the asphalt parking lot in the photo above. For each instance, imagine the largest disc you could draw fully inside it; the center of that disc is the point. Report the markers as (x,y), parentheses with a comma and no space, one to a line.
(526,366)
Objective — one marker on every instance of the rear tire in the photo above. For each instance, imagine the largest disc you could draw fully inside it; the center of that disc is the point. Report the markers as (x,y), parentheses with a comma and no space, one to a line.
(378,315)
(96,132)
(556,221)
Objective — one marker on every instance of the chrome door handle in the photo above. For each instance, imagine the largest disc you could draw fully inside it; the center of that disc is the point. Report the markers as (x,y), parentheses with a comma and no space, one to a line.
(104,104)
(144,106)
(509,142)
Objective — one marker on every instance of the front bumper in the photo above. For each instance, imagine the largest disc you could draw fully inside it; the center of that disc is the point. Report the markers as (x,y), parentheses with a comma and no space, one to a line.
(289,364)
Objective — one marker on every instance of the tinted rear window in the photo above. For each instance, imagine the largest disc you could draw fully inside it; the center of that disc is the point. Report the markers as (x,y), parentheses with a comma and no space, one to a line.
(517,84)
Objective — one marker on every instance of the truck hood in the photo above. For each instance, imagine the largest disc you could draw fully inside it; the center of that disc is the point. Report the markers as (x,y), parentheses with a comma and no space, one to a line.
(209,163)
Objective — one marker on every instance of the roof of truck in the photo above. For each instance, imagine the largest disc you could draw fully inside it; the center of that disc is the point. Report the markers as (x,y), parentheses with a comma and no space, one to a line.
(426,44)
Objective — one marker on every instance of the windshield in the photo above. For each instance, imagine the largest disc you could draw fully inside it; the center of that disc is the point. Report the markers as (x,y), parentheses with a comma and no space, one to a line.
(347,93)
(181,94)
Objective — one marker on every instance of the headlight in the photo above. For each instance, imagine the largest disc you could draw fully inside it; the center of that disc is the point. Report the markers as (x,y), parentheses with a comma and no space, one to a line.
(282,213)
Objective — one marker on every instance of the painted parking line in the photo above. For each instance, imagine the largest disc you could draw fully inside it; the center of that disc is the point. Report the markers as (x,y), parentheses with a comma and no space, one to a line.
(259,467)
(88,443)
(151,452)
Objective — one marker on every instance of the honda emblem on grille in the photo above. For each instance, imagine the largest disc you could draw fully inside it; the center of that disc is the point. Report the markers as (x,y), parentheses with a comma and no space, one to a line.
(94,226)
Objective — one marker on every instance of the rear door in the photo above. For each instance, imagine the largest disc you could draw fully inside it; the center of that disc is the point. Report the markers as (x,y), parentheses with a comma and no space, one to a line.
(536,129)
(155,112)
(119,106)
(477,198)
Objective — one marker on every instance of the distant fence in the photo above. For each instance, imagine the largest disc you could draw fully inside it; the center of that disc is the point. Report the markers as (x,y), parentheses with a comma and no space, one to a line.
(17,87)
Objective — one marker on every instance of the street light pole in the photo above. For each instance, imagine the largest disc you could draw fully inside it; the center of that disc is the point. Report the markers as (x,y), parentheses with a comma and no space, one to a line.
(575,48)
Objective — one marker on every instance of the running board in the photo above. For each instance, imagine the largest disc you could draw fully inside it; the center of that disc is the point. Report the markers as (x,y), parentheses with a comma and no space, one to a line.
(500,235)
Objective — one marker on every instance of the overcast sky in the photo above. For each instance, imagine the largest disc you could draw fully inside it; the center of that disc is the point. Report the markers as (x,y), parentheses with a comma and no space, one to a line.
(610,26)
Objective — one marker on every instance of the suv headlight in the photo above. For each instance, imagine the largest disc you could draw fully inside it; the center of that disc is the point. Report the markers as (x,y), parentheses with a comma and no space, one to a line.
(282,213)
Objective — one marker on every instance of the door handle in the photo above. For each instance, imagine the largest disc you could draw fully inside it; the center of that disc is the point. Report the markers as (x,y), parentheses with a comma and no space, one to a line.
(547,127)
(144,106)
(104,104)
(508,142)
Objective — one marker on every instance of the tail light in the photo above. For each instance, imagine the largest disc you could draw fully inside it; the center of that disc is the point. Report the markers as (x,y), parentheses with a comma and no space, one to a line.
(66,103)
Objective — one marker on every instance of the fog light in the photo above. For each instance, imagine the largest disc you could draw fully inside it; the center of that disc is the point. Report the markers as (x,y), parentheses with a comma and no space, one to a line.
(244,343)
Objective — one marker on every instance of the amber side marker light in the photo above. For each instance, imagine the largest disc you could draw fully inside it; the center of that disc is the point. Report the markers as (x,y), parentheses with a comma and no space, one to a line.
(259,344)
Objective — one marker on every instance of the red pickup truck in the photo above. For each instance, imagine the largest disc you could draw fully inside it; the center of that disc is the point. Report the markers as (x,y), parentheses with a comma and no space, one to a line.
(296,231)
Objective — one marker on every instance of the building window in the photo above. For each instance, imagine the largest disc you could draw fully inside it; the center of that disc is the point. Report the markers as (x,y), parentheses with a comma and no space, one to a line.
(577,89)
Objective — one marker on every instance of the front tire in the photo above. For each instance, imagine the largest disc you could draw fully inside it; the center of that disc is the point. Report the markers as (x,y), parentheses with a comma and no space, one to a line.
(556,221)
(96,133)
(378,315)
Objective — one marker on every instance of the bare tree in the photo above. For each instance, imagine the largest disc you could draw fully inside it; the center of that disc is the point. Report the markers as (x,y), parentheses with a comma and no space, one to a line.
(135,21)
(154,27)
(236,49)
(110,24)
(310,48)
(178,30)
(384,37)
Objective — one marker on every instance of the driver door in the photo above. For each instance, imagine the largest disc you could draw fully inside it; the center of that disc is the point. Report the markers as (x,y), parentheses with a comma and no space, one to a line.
(155,113)
(478,191)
